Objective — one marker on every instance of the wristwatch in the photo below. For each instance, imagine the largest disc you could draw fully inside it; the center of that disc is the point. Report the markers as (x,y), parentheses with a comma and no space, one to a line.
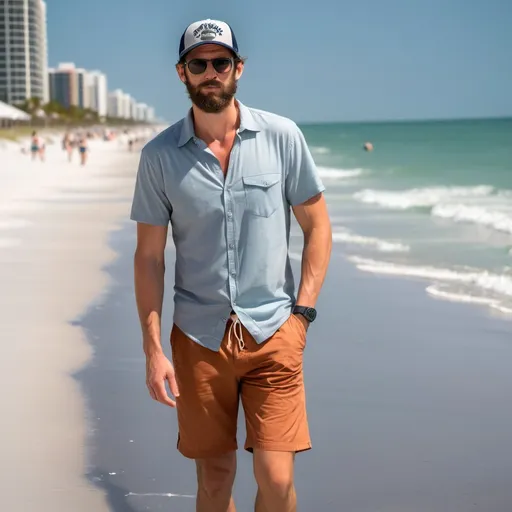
(308,313)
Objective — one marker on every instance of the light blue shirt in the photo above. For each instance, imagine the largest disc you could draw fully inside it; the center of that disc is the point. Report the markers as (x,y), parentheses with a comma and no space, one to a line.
(231,234)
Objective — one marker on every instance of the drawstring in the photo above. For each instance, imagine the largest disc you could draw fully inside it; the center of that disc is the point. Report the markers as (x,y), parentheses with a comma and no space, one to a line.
(236,328)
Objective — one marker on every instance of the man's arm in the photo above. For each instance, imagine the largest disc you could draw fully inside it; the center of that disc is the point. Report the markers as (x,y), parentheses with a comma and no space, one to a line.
(149,271)
(313,218)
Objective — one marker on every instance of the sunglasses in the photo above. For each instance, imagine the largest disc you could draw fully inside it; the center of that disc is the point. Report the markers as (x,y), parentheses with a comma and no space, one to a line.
(220,64)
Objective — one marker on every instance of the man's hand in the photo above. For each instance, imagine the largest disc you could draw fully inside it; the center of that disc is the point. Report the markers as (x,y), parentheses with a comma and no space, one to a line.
(158,370)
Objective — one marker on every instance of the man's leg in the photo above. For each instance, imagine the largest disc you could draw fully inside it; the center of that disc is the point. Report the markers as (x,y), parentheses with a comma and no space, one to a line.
(215,477)
(274,401)
(274,476)
(207,418)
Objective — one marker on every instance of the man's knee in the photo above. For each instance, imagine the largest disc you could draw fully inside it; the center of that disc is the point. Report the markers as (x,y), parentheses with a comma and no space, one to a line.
(274,472)
(215,476)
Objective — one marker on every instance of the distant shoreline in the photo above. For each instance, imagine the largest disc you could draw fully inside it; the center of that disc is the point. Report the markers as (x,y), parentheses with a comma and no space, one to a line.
(408,121)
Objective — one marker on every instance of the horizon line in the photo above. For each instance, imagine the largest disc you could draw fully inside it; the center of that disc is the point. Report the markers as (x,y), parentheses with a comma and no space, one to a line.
(412,120)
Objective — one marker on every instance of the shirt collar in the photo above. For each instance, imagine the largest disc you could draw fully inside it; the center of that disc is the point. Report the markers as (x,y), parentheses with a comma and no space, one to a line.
(247,122)
(187,129)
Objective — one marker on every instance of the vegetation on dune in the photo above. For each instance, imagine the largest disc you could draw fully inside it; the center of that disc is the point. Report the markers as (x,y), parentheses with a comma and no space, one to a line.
(55,114)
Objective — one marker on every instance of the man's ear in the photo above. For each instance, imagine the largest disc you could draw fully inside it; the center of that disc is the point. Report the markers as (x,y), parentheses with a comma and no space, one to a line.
(239,70)
(180,69)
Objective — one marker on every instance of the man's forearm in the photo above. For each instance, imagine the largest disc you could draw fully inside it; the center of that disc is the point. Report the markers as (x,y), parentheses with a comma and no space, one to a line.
(149,293)
(315,261)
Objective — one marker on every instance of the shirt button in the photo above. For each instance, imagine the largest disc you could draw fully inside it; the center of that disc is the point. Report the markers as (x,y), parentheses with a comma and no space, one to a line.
(230,214)
(231,246)
(233,273)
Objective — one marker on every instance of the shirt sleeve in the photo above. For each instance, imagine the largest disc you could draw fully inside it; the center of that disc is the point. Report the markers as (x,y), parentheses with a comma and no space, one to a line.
(302,179)
(150,203)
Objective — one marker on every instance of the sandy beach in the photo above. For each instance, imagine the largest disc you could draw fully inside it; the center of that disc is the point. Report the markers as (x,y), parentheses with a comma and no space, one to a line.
(54,221)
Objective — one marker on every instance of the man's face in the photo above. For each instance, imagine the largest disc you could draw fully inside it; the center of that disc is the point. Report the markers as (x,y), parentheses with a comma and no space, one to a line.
(212,89)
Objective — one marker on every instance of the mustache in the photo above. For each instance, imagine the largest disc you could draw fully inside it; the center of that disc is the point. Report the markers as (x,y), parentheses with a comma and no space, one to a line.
(210,82)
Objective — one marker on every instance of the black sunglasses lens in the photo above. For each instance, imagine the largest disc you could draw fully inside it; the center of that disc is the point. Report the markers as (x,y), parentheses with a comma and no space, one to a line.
(222,65)
(197,66)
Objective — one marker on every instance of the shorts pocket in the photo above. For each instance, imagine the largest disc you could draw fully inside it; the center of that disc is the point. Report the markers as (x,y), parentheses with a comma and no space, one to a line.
(299,326)
(262,194)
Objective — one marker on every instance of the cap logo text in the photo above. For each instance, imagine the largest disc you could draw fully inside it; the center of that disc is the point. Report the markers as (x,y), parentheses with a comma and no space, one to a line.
(207,31)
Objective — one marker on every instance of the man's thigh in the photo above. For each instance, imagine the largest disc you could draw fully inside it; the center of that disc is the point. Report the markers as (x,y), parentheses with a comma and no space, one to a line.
(273,394)
(207,407)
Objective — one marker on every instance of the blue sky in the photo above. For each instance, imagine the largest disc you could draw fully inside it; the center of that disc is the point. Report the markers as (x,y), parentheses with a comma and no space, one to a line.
(327,60)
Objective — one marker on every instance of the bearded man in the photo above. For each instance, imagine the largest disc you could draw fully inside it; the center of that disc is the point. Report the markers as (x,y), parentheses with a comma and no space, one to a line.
(226,178)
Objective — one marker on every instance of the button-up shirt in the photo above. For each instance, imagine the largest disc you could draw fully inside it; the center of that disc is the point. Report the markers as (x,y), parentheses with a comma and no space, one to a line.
(231,232)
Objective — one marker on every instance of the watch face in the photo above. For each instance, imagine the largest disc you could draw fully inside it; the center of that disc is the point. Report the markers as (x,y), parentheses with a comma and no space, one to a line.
(310,314)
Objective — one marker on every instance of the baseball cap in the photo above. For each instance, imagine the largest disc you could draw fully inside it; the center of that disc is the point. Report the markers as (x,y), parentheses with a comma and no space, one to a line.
(208,32)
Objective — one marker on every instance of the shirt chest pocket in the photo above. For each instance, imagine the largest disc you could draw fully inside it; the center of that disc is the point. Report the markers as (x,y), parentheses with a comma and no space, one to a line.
(262,194)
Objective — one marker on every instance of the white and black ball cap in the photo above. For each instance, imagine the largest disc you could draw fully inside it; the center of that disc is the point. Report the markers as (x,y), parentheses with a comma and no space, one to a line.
(208,32)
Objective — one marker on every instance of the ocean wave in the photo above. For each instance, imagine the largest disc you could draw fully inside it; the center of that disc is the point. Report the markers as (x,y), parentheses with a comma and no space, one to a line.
(495,304)
(420,197)
(320,150)
(497,287)
(436,291)
(335,173)
(481,215)
(482,205)
(498,283)
(346,236)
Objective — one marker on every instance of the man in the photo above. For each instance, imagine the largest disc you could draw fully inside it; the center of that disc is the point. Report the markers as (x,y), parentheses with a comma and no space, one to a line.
(225,177)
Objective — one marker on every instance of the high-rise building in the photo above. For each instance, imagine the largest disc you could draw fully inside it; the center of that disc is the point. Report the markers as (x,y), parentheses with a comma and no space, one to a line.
(127,106)
(69,85)
(64,84)
(98,92)
(141,112)
(23,50)
(82,81)
(150,115)
(116,103)
(44,46)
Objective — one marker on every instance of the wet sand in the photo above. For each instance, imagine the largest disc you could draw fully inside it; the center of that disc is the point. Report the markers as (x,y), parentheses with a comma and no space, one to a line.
(408,401)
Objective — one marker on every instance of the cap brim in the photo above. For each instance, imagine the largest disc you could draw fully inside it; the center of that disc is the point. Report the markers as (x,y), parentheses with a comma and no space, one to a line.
(218,43)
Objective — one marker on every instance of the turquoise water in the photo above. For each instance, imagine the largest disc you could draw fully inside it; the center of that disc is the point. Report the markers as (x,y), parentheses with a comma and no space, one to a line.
(433,201)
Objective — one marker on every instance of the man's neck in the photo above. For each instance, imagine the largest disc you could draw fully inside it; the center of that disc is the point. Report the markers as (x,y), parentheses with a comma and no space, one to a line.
(216,127)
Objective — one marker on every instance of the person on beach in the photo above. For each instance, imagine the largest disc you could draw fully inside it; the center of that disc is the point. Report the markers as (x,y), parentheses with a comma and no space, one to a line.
(226,177)
(68,145)
(83,149)
(37,146)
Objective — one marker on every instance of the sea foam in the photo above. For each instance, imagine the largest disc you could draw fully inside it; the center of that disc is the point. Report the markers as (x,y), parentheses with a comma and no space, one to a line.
(419,197)
(320,150)
(335,173)
(345,236)
(476,282)
(496,218)
(481,205)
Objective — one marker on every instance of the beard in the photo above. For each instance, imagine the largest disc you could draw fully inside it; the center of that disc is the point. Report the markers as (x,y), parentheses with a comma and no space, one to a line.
(212,102)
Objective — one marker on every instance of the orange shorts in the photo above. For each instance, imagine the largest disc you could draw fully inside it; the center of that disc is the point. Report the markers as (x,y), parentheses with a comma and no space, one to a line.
(268,379)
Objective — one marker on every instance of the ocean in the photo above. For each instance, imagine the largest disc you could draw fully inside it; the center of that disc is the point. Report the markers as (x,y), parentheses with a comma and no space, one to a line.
(432,202)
